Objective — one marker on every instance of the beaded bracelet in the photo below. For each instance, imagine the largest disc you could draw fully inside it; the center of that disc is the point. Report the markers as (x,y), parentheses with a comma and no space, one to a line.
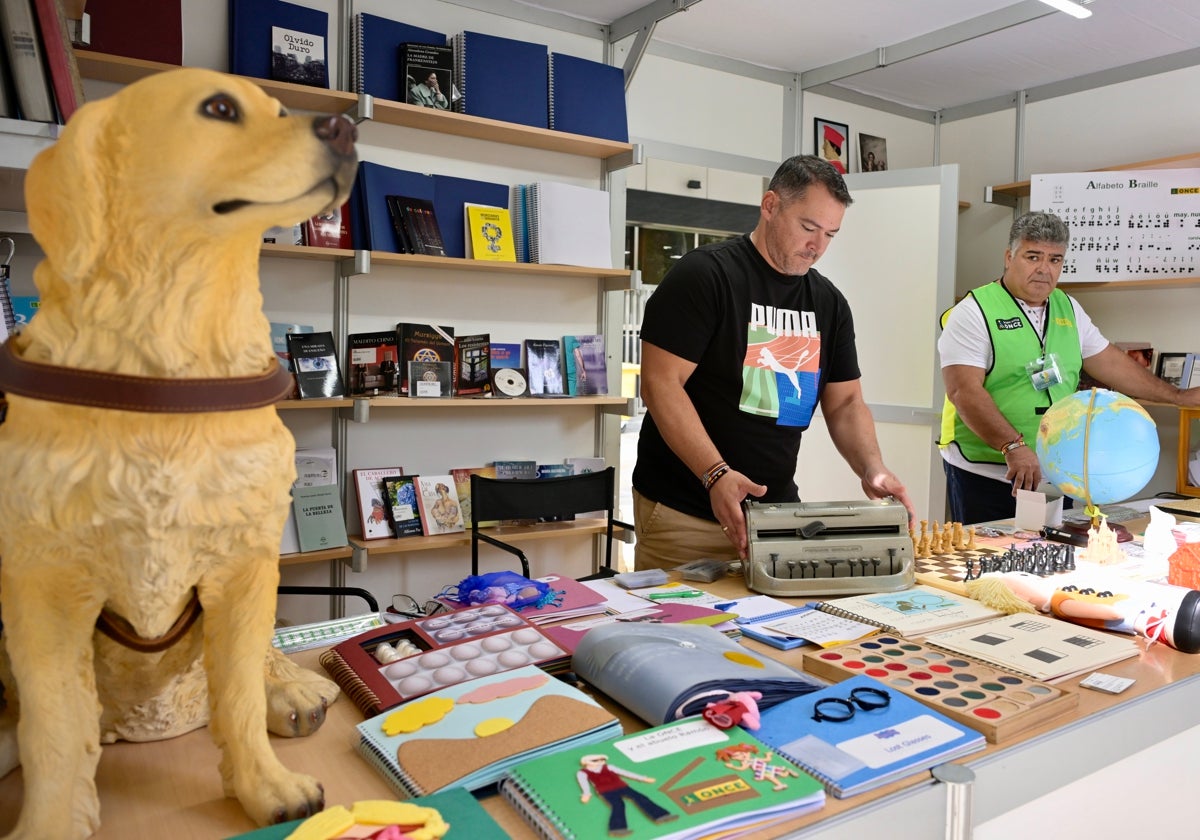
(713,474)
(1012,444)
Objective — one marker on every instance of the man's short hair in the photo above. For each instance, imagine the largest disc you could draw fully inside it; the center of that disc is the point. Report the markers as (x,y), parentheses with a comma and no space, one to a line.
(797,173)
(1038,226)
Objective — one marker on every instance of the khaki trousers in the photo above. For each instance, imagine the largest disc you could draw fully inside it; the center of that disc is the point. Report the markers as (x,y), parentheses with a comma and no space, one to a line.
(666,537)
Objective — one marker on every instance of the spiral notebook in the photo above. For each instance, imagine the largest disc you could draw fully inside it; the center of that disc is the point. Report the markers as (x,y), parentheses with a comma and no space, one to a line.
(687,779)
(587,97)
(783,626)
(468,735)
(502,78)
(912,612)
(376,54)
(872,746)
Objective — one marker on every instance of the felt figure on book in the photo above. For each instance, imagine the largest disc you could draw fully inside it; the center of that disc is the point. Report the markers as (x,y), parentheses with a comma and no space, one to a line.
(508,588)
(746,757)
(1157,611)
(739,708)
(609,782)
(143,391)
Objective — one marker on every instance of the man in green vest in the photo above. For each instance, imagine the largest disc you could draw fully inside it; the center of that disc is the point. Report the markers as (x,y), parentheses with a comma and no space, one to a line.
(1009,349)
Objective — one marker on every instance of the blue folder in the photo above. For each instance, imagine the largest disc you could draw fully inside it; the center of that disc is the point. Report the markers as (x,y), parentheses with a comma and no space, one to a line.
(376,182)
(587,97)
(378,41)
(250,23)
(503,78)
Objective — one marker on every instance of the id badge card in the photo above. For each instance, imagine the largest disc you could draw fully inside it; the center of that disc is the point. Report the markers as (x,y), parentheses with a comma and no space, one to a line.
(1043,372)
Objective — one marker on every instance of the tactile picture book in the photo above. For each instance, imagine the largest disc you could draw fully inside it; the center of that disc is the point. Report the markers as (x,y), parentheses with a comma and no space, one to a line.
(567,598)
(386,666)
(684,779)
(469,734)
(1037,646)
(860,734)
(568,635)
(911,612)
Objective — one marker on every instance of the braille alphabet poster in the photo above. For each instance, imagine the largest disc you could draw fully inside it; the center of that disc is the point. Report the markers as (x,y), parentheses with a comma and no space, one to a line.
(1131,225)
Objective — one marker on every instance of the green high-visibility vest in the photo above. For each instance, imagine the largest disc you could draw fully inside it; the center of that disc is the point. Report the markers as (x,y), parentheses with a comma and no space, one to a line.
(1015,343)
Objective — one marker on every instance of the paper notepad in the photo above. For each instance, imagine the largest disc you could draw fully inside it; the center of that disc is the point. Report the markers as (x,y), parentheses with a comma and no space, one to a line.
(912,612)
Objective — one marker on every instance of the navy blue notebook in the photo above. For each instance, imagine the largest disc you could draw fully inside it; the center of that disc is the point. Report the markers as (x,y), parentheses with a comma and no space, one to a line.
(377,43)
(886,735)
(502,78)
(250,23)
(587,97)
(376,182)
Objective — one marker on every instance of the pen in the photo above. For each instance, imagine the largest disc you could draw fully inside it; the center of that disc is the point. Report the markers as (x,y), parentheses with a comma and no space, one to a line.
(687,593)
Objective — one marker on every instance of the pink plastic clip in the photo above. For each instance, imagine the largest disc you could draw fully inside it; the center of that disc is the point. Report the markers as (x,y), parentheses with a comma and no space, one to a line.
(738,707)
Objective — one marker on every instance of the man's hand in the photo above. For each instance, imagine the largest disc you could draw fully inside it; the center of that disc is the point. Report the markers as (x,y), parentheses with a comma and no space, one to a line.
(726,499)
(1024,471)
(884,483)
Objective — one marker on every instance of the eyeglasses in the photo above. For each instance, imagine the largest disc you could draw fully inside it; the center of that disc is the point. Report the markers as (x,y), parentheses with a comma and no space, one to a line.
(407,605)
(840,710)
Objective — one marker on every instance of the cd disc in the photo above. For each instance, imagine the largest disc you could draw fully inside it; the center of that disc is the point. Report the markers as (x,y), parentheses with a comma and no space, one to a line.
(509,382)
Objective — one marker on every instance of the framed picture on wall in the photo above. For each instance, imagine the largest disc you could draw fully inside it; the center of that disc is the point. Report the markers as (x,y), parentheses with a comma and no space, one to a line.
(1170,367)
(872,153)
(833,143)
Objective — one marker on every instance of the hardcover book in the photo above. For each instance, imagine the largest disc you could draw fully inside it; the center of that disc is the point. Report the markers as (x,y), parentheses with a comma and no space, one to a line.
(515,469)
(462,484)
(489,234)
(60,57)
(298,57)
(402,506)
(416,225)
(385,666)
(587,368)
(687,778)
(472,354)
(250,25)
(437,500)
(319,519)
(858,735)
(544,363)
(372,500)
(313,467)
(422,343)
(373,369)
(430,379)
(317,373)
(911,612)
(23,50)
(463,747)
(428,75)
(330,229)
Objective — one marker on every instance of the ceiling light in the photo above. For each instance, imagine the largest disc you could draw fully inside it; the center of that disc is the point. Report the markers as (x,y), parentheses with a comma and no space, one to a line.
(1073,9)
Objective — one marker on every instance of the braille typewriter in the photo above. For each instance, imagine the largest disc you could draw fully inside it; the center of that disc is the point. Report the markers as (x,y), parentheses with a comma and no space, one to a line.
(811,548)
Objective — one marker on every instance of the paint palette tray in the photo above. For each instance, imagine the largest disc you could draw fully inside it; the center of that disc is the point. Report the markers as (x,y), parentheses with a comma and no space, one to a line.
(388,665)
(997,703)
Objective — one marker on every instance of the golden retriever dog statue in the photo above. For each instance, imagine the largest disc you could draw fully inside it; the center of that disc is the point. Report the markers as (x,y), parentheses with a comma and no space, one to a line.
(146,471)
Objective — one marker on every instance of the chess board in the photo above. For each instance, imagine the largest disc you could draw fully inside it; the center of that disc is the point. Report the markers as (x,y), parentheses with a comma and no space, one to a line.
(945,571)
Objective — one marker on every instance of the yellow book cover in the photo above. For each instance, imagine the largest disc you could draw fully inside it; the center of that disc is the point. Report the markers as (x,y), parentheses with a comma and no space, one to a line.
(490,233)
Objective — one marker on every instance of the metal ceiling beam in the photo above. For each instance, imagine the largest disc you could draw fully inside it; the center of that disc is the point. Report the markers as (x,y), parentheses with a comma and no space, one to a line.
(641,23)
(938,39)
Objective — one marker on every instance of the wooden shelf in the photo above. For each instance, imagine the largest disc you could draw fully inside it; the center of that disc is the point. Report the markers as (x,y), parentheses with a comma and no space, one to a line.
(508,533)
(1126,285)
(1009,194)
(122,70)
(344,552)
(615,403)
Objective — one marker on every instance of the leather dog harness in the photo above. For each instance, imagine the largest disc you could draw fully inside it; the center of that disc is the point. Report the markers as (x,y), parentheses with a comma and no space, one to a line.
(100,389)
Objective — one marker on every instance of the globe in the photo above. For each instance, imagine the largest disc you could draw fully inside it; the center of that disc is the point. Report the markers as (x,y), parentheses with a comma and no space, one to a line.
(1121,443)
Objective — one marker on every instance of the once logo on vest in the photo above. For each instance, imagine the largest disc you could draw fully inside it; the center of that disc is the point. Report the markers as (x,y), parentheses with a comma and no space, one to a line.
(1009,323)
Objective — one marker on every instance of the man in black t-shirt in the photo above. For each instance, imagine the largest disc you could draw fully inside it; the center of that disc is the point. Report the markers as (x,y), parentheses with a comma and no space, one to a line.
(741,342)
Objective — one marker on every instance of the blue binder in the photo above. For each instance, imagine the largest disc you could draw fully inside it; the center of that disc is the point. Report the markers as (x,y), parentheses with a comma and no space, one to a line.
(376,182)
(250,23)
(377,45)
(587,97)
(503,78)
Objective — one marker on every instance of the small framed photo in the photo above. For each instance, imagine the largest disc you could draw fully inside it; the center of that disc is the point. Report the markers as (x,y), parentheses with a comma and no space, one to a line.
(872,153)
(832,142)
(1170,367)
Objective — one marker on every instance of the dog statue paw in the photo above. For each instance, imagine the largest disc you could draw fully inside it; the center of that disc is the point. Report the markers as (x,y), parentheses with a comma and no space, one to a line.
(147,470)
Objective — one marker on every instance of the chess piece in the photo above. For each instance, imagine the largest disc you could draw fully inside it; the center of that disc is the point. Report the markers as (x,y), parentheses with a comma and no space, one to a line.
(958,536)
(935,540)
(971,546)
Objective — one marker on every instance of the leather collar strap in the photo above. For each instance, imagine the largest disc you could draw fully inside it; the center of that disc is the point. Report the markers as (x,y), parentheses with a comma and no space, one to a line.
(100,389)
(121,631)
